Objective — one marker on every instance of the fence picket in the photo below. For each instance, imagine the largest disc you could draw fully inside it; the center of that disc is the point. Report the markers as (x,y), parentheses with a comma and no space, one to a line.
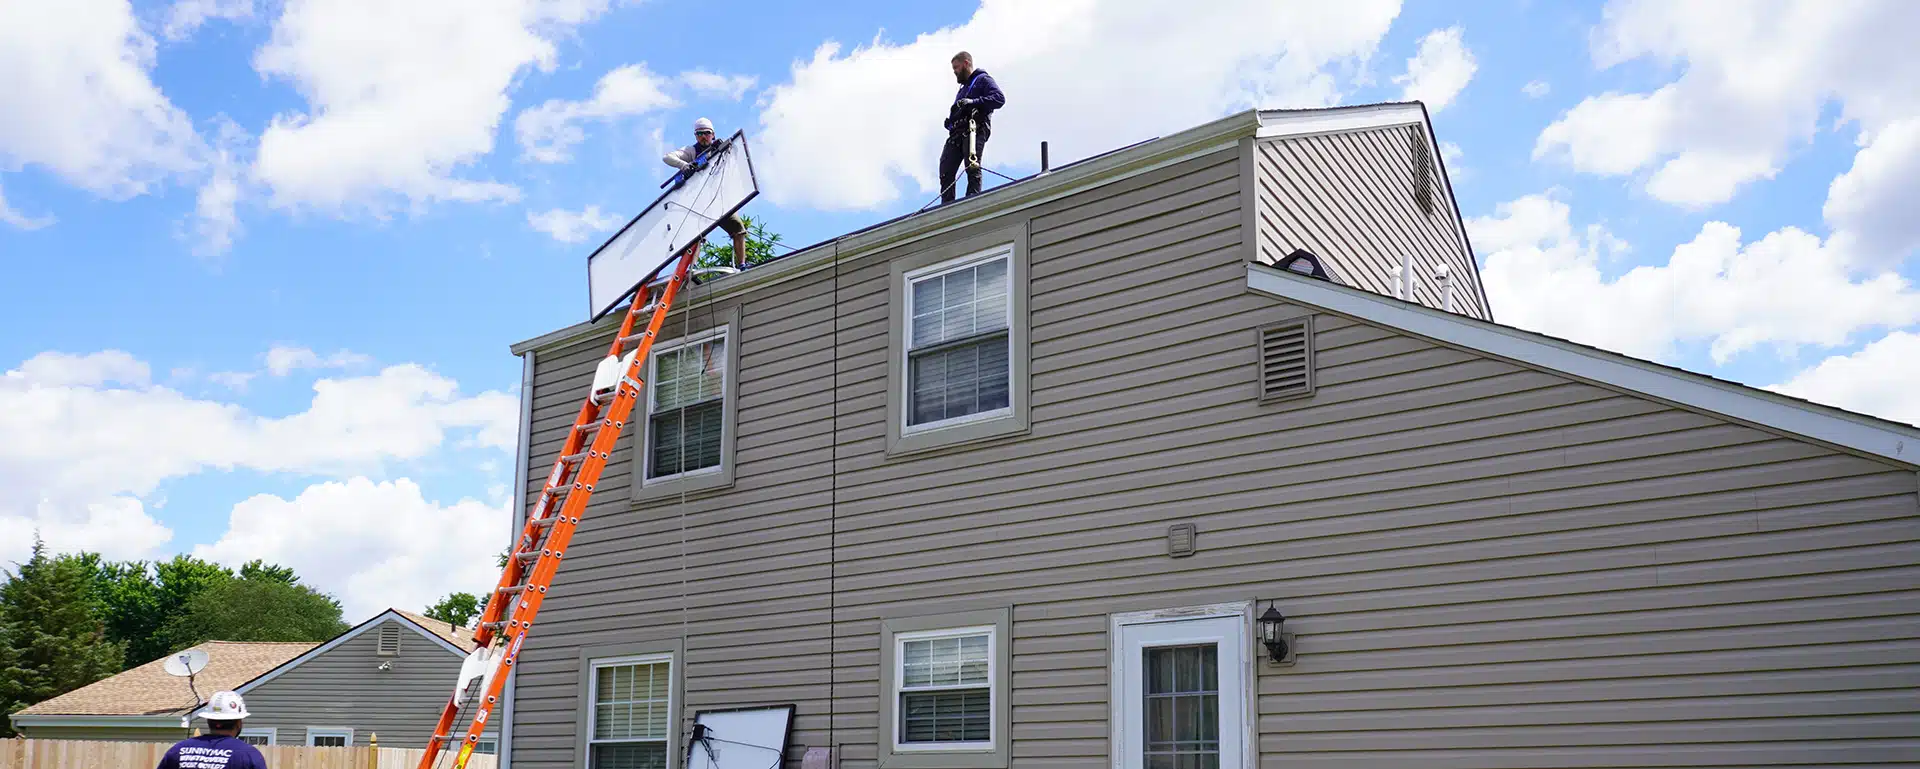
(19,753)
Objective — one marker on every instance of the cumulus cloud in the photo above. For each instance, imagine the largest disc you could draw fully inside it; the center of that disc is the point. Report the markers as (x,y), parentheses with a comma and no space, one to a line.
(548,132)
(1877,380)
(53,407)
(1439,70)
(215,221)
(374,545)
(286,359)
(1785,290)
(572,226)
(401,97)
(716,86)
(1871,206)
(82,103)
(1753,85)
(14,218)
(1087,76)
(186,16)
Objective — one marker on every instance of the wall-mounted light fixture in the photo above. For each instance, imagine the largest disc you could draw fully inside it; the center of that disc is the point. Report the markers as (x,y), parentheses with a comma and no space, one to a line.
(1274,636)
(1302,262)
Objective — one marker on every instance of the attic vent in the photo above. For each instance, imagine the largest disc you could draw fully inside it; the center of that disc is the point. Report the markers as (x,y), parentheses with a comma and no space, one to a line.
(1180,537)
(389,641)
(1286,359)
(1422,170)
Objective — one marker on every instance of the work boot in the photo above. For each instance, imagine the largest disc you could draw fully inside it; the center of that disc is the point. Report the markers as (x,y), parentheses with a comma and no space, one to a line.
(740,250)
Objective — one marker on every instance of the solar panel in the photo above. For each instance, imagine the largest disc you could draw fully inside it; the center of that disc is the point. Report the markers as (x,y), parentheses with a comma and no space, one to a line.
(692,207)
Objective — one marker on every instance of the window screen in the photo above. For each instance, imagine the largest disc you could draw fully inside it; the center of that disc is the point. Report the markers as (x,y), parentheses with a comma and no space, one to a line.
(946,690)
(1182,707)
(688,406)
(957,362)
(631,716)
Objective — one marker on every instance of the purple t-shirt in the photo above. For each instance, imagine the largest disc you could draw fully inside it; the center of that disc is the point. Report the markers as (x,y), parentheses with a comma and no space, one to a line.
(212,751)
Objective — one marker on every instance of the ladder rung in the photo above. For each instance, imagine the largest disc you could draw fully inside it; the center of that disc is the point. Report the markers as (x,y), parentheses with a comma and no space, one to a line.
(545,522)
(572,458)
(593,425)
(530,555)
(443,737)
(510,590)
(493,625)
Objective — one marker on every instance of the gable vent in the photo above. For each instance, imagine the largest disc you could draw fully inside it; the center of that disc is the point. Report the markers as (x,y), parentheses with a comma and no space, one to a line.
(1286,359)
(1422,170)
(389,645)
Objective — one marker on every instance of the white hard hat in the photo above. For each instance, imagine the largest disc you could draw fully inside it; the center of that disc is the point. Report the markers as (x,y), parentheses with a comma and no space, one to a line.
(225,706)
(702,124)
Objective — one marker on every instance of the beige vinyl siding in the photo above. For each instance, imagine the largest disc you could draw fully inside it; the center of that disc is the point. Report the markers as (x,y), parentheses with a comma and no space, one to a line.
(1484,564)
(1348,197)
(343,687)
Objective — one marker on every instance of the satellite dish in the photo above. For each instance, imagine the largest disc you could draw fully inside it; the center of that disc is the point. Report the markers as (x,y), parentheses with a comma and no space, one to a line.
(186,663)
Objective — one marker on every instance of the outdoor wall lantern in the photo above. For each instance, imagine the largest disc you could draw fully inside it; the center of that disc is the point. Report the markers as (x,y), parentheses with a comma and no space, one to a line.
(1273,636)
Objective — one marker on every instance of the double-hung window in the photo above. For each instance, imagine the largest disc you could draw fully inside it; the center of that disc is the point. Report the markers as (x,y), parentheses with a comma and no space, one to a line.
(686,407)
(959,318)
(944,698)
(329,737)
(630,712)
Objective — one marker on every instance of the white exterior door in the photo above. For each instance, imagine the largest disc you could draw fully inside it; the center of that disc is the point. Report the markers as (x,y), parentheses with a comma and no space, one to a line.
(1180,692)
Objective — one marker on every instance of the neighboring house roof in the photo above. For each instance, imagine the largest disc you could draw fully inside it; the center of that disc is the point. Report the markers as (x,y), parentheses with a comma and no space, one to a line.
(148,690)
(1765,409)
(447,638)
(453,634)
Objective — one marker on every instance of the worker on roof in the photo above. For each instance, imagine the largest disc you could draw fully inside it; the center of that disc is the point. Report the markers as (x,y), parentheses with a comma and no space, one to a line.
(694,157)
(970,117)
(221,747)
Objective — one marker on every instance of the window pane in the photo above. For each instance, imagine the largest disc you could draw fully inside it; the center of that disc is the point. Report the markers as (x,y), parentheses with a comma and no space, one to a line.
(964,715)
(631,701)
(1182,708)
(631,755)
(959,381)
(686,439)
(688,375)
(959,304)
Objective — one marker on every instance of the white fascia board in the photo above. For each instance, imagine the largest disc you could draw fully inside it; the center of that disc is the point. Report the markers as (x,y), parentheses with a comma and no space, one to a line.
(1835,427)
(1307,122)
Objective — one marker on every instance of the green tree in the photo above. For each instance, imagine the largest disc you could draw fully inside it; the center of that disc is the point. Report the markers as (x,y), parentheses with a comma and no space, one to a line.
(130,604)
(255,609)
(456,608)
(760,246)
(254,569)
(52,639)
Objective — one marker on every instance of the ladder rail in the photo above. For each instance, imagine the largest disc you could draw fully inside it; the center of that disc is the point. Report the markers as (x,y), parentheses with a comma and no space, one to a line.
(537,554)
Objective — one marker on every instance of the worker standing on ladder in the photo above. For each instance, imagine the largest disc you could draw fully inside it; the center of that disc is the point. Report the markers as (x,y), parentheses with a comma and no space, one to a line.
(969,121)
(221,747)
(690,160)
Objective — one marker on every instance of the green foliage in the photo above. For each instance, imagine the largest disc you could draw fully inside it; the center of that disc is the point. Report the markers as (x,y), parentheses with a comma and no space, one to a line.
(255,609)
(456,608)
(718,252)
(52,638)
(254,569)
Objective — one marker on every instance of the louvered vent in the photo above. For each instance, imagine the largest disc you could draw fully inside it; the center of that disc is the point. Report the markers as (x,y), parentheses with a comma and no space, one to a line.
(389,641)
(1180,539)
(1422,170)
(1286,359)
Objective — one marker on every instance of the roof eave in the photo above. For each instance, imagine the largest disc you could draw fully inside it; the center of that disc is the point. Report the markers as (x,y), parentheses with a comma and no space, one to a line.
(57,720)
(1836,428)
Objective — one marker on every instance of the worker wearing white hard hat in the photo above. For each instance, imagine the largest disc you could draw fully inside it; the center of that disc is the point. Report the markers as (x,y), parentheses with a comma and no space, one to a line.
(220,747)
(690,159)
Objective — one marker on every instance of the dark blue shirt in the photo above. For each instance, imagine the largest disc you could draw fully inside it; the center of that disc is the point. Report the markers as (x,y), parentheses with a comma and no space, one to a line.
(986,96)
(212,751)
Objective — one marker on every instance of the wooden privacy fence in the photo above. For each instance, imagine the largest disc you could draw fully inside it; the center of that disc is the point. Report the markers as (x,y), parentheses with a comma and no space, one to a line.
(77,754)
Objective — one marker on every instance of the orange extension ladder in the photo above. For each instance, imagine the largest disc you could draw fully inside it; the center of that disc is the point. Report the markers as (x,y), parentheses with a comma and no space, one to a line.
(523,584)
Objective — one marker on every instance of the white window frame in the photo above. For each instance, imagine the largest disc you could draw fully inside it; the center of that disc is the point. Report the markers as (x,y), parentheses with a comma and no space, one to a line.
(899,687)
(725,334)
(329,731)
(1231,626)
(593,702)
(261,731)
(487,745)
(1004,252)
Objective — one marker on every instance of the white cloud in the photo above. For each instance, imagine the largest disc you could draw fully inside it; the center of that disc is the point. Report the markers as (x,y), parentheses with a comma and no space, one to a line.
(1455,160)
(1871,206)
(1785,290)
(860,128)
(548,132)
(286,359)
(717,86)
(1439,70)
(236,381)
(13,218)
(80,100)
(1535,89)
(371,544)
(402,97)
(133,435)
(570,226)
(215,222)
(1877,380)
(1752,86)
(186,16)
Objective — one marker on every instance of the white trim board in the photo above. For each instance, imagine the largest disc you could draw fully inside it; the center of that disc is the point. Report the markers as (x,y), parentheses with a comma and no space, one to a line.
(1841,429)
(343,638)
(1276,124)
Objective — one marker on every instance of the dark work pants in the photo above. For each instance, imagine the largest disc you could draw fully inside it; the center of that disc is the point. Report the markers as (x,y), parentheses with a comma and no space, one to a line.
(954,155)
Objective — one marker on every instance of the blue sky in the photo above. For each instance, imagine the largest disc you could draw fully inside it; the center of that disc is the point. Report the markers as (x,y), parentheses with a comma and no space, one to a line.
(265,257)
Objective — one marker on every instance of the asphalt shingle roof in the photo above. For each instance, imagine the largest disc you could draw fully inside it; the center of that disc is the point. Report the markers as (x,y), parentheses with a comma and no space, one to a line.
(148,689)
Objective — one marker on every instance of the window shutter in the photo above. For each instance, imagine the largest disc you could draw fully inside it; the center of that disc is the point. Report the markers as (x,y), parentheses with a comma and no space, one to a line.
(389,645)
(1422,169)
(1286,359)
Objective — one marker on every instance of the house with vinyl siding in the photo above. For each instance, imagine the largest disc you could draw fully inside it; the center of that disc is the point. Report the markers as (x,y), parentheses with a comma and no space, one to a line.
(383,679)
(1013,482)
